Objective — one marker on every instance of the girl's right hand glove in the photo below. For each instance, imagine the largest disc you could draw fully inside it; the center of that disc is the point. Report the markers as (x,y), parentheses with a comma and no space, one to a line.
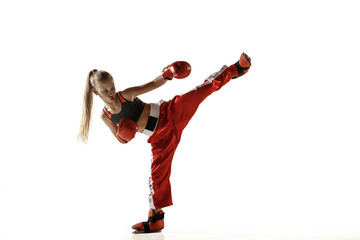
(126,131)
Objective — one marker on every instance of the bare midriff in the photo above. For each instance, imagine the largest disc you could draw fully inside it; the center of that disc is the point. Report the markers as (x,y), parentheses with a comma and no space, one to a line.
(144,118)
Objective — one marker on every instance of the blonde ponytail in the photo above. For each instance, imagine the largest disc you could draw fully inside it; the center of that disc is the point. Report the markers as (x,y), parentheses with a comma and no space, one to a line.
(86,109)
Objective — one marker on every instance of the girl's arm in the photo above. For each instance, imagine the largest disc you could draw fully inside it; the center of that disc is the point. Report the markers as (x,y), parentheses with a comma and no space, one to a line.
(179,69)
(132,92)
(112,126)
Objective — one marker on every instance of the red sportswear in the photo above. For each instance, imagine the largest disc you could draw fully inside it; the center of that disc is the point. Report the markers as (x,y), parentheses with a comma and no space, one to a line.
(173,117)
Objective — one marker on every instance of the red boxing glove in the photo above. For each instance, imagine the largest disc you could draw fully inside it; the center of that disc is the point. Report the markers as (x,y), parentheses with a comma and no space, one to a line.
(126,130)
(179,69)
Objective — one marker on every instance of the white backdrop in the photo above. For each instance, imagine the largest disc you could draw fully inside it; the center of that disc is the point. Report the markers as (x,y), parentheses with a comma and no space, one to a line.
(273,152)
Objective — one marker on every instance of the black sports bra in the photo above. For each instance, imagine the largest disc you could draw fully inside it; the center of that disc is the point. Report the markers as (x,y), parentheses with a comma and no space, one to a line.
(129,110)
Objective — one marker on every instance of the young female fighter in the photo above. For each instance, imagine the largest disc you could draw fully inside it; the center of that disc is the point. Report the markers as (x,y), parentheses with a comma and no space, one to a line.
(125,115)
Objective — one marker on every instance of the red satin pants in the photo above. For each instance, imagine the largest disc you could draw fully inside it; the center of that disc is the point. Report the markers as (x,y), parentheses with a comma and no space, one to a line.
(174,116)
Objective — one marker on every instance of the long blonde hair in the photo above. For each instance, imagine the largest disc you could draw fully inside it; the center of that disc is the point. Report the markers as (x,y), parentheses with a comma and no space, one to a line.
(93,77)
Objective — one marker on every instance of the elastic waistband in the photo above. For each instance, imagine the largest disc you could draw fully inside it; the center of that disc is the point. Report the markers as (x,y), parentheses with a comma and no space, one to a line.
(153,119)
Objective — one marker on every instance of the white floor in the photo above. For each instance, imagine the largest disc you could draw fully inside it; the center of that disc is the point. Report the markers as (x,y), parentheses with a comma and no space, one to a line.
(231,236)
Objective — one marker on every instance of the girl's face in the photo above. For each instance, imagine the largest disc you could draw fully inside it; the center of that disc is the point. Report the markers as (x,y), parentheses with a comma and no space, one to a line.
(106,90)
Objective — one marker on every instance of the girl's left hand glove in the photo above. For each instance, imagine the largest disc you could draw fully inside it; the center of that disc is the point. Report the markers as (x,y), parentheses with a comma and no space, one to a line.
(179,69)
